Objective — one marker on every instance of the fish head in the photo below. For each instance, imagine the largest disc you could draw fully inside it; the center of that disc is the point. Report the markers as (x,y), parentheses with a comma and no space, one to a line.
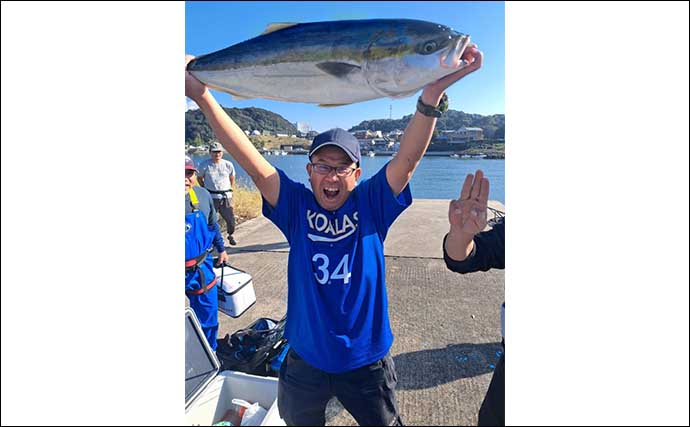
(402,60)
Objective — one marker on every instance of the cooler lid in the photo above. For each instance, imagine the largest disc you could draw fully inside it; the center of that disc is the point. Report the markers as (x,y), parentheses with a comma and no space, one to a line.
(231,279)
(201,363)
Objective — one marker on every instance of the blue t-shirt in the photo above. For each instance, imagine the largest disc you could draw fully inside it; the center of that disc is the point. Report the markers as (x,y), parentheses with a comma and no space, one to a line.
(337,316)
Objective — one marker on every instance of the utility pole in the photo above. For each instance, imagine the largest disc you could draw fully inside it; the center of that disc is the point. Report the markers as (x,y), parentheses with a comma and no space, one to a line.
(390,112)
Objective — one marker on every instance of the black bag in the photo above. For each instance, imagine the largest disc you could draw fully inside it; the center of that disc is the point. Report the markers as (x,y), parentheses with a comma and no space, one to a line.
(252,349)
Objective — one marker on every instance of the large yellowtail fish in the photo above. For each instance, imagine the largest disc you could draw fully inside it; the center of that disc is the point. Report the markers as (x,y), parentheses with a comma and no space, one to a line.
(335,63)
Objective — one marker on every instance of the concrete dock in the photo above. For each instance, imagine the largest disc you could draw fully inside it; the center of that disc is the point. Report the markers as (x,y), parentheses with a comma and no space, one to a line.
(446,325)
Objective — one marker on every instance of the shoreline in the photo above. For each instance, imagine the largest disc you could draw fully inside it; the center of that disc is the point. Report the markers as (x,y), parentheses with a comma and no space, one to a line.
(493,156)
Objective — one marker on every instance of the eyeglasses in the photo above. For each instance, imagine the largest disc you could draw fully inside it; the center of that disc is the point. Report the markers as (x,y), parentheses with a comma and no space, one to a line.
(188,173)
(341,171)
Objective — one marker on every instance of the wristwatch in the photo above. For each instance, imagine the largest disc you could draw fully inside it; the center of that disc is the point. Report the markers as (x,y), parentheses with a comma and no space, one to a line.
(436,111)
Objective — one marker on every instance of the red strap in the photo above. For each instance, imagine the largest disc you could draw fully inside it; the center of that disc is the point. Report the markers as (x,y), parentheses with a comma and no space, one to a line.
(196,261)
(203,290)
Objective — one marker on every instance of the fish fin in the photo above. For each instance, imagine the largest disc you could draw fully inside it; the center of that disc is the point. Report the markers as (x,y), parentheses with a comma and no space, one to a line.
(332,105)
(337,69)
(278,26)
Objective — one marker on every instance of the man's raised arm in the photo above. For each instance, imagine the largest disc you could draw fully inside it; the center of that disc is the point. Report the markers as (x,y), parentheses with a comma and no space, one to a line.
(418,133)
(233,139)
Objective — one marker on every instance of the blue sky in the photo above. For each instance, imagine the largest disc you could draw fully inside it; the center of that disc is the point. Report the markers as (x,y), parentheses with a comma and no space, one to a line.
(211,26)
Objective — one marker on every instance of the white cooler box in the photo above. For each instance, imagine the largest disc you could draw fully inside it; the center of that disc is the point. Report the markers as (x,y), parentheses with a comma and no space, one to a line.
(209,394)
(235,290)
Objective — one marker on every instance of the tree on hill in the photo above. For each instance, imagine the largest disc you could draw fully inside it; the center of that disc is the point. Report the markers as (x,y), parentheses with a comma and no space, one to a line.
(451,120)
(196,126)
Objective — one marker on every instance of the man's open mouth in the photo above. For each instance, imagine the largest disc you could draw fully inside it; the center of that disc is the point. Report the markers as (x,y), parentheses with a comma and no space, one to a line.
(331,193)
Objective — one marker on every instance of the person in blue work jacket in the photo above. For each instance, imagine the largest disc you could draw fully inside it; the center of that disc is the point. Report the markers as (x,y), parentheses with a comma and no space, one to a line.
(202,233)
(469,248)
(337,309)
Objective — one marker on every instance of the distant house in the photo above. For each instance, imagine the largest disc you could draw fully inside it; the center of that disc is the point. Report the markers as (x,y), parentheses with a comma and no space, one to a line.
(246,132)
(283,135)
(444,136)
(286,147)
(311,134)
(461,136)
(472,134)
(395,135)
(382,144)
(376,144)
(256,132)
(366,134)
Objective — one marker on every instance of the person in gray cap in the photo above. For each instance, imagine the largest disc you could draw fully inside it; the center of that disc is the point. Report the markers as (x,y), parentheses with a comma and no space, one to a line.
(217,175)
(337,309)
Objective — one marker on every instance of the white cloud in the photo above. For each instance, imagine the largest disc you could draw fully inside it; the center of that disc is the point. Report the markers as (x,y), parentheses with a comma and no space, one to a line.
(191,105)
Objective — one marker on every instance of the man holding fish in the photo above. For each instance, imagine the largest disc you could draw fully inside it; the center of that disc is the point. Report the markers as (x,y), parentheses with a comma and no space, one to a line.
(337,314)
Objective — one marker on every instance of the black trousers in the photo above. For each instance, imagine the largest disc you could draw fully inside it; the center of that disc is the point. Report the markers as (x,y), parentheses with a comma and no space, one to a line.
(224,208)
(368,393)
(492,411)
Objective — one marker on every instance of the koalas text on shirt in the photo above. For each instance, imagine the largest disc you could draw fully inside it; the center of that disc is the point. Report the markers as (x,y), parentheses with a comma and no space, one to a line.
(339,228)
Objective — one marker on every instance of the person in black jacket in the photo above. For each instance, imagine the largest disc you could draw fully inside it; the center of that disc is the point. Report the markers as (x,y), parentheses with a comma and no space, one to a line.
(468,248)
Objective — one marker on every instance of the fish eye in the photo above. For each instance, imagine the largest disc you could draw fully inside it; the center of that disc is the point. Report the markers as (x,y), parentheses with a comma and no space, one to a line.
(429,47)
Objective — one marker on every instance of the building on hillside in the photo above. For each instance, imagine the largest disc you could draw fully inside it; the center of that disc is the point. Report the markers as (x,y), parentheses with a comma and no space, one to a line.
(444,136)
(472,133)
(460,136)
(382,144)
(376,144)
(366,134)
(395,135)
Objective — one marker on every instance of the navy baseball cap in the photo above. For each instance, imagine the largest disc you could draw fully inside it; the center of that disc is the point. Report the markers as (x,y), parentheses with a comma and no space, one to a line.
(339,138)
